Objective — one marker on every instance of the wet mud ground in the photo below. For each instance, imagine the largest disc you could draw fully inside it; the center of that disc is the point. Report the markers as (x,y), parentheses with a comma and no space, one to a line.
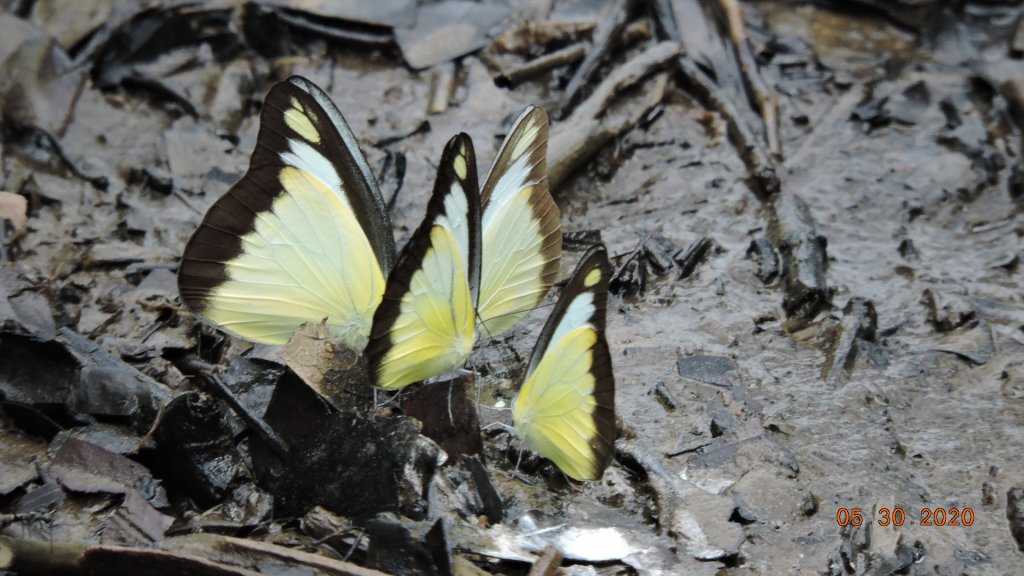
(761,414)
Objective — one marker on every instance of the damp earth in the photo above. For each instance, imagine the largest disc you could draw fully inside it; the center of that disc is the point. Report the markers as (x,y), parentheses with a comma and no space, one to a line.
(815,212)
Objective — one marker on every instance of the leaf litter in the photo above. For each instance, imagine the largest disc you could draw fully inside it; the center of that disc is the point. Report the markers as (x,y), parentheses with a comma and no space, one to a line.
(843,331)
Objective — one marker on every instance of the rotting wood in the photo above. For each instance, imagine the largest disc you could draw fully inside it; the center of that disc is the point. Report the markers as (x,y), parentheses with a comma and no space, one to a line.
(860,322)
(30,557)
(759,163)
(763,98)
(637,31)
(585,131)
(670,494)
(608,30)
(200,554)
(531,34)
(792,229)
(537,66)
(1017,44)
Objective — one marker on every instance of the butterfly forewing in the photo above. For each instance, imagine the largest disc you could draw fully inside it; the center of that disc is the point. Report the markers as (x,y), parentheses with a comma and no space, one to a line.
(565,410)
(303,236)
(425,325)
(522,238)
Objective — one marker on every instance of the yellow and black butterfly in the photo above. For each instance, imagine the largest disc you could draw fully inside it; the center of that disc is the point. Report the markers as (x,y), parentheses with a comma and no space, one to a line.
(522,235)
(424,327)
(565,410)
(426,324)
(304,235)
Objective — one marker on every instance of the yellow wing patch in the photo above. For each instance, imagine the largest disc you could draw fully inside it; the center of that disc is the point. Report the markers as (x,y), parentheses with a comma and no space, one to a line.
(293,268)
(303,236)
(554,412)
(434,330)
(565,410)
(426,325)
(302,121)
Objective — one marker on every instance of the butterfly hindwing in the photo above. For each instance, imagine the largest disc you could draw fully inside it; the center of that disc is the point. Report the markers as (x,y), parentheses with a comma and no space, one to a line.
(425,326)
(565,410)
(522,238)
(303,236)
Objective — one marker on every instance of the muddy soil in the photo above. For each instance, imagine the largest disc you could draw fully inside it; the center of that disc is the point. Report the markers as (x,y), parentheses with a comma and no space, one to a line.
(768,419)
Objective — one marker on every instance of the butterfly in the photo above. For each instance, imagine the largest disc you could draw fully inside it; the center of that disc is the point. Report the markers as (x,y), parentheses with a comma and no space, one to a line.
(426,324)
(518,254)
(565,410)
(304,235)
(522,234)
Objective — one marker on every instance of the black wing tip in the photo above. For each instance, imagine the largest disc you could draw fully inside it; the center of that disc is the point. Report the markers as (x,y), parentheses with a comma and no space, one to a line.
(374,216)
(303,83)
(531,110)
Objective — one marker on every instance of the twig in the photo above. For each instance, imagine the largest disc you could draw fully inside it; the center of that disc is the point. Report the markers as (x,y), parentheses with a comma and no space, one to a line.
(759,163)
(441,81)
(763,99)
(607,31)
(664,20)
(583,134)
(538,66)
(369,36)
(626,76)
(205,372)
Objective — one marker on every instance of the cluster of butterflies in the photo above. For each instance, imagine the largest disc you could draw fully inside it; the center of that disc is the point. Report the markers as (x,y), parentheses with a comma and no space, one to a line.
(305,235)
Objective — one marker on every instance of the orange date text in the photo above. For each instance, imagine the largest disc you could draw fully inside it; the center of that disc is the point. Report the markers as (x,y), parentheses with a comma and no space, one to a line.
(897,516)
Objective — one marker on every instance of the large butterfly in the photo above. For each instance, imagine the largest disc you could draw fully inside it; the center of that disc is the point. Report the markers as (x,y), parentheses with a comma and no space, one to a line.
(303,236)
(565,410)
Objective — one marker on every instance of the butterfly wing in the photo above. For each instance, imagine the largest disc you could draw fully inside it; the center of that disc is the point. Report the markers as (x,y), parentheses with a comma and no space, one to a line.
(565,410)
(303,236)
(425,325)
(521,237)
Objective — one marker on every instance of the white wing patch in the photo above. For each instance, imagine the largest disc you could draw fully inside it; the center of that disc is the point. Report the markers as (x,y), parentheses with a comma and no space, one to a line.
(308,159)
(456,209)
(576,316)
